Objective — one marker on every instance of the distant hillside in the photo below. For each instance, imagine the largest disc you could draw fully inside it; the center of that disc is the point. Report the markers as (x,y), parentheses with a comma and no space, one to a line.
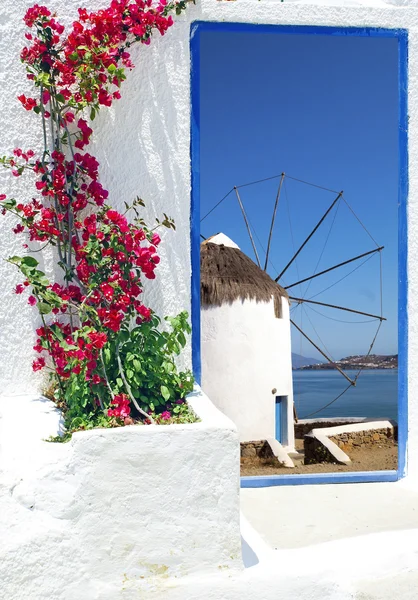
(374,361)
(299,361)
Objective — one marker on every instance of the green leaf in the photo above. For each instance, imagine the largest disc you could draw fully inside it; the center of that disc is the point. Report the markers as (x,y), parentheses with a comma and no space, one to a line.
(181,339)
(9,204)
(29,261)
(123,335)
(165,392)
(60,98)
(137,365)
(16,260)
(44,308)
(43,280)
(111,68)
(58,333)
(129,373)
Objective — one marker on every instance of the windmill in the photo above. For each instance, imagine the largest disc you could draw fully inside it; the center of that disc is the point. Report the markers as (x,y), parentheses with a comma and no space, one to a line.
(302,299)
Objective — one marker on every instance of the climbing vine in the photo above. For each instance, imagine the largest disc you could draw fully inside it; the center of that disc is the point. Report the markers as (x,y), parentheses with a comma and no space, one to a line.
(110,361)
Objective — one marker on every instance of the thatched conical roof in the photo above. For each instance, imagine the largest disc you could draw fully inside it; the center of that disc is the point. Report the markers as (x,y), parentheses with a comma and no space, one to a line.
(227,274)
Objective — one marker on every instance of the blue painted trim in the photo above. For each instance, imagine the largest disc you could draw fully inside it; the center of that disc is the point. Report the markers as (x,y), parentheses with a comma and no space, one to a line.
(319,478)
(403,255)
(278,425)
(195,199)
(203,26)
(402,35)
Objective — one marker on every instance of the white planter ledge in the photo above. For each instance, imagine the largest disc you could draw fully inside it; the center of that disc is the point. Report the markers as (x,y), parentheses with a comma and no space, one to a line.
(113,508)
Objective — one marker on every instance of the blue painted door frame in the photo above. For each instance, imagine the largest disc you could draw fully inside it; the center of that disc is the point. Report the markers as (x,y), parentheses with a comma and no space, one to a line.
(402,36)
(281,419)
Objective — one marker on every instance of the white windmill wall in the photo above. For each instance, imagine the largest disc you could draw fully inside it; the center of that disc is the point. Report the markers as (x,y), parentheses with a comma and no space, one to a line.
(246,354)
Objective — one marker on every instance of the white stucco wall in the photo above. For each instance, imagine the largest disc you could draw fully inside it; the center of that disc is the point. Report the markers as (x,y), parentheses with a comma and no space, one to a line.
(113,509)
(146,137)
(142,144)
(246,354)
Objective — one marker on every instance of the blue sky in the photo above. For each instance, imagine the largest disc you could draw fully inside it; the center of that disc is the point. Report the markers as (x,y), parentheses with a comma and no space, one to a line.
(323,109)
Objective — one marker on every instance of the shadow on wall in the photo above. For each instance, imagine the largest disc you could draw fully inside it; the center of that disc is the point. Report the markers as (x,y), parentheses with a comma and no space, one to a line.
(143,146)
(249,557)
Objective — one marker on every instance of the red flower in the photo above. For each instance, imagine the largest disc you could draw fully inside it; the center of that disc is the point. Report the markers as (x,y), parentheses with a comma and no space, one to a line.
(36,13)
(19,289)
(28,103)
(32,300)
(107,290)
(98,340)
(38,364)
(122,408)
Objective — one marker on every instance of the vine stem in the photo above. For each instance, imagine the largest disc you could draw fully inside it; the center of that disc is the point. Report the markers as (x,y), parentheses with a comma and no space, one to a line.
(57,210)
(128,388)
(112,395)
(52,354)
(55,112)
(45,152)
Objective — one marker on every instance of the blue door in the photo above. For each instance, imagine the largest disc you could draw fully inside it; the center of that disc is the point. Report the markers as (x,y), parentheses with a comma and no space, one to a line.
(281,419)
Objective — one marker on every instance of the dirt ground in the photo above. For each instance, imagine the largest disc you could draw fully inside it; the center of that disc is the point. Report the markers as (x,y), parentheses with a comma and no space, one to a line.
(363,459)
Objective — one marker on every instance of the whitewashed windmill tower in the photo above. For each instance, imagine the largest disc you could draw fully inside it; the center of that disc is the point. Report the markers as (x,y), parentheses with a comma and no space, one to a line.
(245,343)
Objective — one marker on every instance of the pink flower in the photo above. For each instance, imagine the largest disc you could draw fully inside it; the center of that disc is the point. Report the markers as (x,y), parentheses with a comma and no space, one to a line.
(38,364)
(123,409)
(156,239)
(166,416)
(19,289)
(69,117)
(32,300)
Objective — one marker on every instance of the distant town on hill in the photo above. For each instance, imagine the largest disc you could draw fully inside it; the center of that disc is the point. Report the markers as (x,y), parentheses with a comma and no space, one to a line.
(299,361)
(373,361)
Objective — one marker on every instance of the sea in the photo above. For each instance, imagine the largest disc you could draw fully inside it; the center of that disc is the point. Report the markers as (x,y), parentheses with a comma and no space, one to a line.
(375,394)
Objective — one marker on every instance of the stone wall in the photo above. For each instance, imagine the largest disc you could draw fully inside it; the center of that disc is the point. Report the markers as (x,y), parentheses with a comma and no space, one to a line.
(258,452)
(317,452)
(365,439)
(259,448)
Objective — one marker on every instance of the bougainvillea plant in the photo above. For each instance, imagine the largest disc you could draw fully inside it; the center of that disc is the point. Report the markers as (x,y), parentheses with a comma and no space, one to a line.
(109,359)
